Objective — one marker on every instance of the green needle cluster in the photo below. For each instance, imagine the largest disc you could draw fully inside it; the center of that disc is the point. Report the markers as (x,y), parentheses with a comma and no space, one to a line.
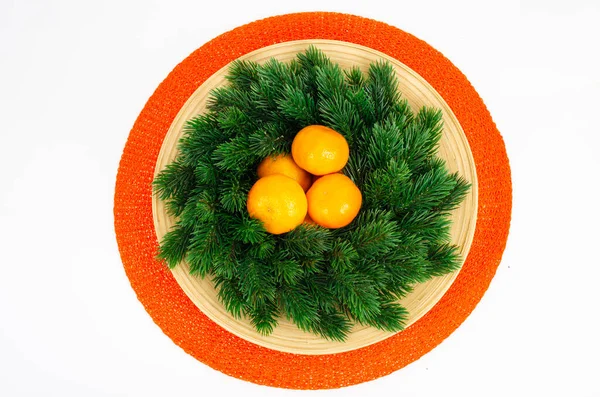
(323,280)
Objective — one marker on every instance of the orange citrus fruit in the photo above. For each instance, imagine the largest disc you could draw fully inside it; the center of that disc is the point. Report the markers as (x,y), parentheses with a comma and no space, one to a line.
(278,201)
(333,201)
(284,164)
(320,150)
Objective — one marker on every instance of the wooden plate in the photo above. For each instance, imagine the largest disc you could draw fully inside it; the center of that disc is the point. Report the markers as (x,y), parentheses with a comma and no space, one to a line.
(454,149)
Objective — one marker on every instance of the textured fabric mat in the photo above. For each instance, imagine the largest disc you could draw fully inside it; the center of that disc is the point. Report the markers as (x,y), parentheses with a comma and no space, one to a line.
(189,328)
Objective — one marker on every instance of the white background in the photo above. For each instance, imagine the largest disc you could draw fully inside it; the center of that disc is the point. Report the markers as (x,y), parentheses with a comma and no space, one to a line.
(74,75)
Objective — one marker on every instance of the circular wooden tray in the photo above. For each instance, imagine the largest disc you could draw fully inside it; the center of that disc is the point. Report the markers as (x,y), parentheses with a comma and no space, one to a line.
(454,149)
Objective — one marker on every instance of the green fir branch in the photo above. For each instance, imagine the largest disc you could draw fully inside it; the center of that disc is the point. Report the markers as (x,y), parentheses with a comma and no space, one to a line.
(233,193)
(270,139)
(384,186)
(331,324)
(287,271)
(357,294)
(342,255)
(249,231)
(263,316)
(298,105)
(442,259)
(234,155)
(307,241)
(242,74)
(204,246)
(382,89)
(259,281)
(176,180)
(299,307)
(391,317)
(376,232)
(174,245)
(230,295)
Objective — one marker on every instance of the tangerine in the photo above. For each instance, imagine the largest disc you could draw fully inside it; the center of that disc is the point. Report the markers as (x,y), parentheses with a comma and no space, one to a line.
(278,201)
(320,150)
(284,164)
(333,201)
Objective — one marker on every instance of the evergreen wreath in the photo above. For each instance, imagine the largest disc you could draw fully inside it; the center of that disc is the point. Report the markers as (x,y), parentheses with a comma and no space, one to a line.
(323,280)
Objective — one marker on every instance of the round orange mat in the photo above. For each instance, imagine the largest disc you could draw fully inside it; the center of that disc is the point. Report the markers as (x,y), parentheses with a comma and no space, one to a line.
(189,328)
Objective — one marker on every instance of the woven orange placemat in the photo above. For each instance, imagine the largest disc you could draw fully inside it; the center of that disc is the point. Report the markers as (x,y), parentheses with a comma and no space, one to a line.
(189,328)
